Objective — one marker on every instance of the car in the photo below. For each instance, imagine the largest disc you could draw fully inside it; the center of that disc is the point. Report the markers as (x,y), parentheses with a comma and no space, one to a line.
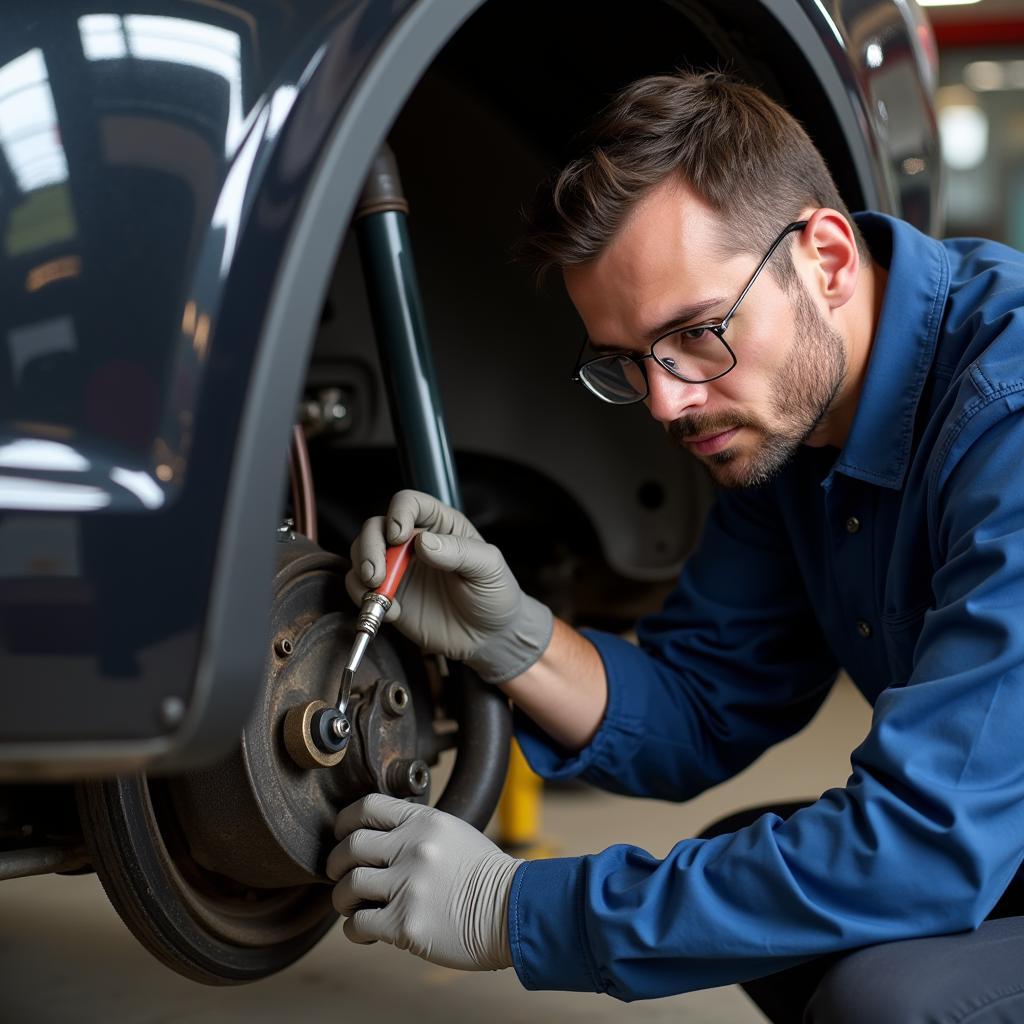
(257,278)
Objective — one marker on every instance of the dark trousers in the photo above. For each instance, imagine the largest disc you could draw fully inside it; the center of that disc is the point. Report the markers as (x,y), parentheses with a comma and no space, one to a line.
(969,978)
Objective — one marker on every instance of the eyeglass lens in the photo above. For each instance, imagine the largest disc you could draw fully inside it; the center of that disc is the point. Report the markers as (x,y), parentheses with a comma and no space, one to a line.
(616,379)
(691,356)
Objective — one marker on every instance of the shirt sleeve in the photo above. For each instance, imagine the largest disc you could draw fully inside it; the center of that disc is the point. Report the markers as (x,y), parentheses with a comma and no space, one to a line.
(922,840)
(733,663)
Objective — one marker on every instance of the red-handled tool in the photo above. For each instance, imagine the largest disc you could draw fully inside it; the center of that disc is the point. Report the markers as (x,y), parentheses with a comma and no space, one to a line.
(316,734)
(372,611)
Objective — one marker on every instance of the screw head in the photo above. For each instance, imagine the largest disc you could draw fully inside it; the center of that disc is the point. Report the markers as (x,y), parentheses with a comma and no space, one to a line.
(334,409)
(341,727)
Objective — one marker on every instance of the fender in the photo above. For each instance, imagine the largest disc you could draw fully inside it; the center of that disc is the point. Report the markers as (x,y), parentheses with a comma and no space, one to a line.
(149,447)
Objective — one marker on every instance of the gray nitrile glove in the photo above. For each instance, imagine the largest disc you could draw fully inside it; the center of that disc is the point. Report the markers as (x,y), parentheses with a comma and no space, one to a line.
(460,598)
(440,886)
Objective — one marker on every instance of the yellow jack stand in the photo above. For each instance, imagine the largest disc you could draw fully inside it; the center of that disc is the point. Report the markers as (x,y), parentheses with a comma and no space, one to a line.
(519,809)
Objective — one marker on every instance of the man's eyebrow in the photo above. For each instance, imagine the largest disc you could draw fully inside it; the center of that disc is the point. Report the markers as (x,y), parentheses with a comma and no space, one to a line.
(685,315)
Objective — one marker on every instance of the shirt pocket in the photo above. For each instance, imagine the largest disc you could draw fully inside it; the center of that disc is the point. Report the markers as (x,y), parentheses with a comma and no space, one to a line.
(901,631)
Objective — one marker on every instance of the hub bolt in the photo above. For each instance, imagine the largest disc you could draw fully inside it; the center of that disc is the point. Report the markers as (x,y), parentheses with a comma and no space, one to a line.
(395,698)
(407,777)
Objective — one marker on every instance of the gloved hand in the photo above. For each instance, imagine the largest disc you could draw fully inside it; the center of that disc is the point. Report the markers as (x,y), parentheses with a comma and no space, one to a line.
(460,598)
(444,886)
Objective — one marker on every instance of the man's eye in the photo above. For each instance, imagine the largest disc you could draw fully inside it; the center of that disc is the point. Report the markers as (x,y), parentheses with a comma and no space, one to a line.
(693,333)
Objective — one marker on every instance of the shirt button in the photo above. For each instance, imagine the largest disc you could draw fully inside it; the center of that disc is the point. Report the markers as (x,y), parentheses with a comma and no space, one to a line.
(852,524)
(864,628)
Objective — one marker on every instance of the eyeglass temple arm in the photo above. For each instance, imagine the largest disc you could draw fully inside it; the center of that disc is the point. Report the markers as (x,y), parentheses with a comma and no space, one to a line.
(797,225)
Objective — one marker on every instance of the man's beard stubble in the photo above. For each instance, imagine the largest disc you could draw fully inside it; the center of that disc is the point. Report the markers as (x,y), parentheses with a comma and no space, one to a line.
(802,393)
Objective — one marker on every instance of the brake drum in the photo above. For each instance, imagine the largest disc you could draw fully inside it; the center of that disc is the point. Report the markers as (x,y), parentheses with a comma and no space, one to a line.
(220,873)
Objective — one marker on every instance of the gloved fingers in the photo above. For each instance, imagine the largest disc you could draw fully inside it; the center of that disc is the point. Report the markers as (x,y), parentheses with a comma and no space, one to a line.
(375,811)
(366,926)
(357,588)
(359,886)
(472,558)
(367,553)
(409,509)
(361,846)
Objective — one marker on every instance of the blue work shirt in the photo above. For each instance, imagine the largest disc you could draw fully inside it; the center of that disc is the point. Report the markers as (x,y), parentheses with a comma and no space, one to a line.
(899,558)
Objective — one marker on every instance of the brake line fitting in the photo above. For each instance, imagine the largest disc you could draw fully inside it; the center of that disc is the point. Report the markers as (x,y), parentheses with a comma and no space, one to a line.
(316,735)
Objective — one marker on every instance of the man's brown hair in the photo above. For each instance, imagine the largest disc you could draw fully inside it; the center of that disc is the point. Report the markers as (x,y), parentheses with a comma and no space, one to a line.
(741,152)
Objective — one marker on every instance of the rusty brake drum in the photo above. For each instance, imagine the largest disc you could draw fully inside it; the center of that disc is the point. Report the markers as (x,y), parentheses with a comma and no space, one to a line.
(220,873)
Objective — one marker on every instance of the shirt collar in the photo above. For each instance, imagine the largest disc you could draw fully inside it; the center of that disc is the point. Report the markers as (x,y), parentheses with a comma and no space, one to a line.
(877,449)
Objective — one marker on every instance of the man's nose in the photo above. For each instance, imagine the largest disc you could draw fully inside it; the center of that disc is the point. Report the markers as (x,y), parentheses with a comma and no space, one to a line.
(668,397)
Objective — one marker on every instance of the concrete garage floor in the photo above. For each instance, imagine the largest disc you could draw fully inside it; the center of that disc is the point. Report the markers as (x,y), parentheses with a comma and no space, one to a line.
(66,958)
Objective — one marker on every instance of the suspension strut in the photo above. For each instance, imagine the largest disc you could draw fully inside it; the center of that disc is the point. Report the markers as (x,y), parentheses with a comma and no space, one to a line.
(427,464)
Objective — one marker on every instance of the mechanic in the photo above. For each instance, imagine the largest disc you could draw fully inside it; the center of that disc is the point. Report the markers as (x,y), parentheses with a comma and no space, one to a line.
(855,388)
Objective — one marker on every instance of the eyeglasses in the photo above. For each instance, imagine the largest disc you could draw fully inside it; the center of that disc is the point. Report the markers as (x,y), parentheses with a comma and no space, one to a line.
(696,354)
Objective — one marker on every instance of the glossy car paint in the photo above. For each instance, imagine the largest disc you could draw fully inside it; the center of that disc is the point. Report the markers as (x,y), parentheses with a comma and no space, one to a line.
(891,74)
(184,147)
(173,188)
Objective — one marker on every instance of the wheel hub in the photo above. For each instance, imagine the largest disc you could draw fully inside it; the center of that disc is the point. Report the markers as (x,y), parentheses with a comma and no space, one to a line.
(258,817)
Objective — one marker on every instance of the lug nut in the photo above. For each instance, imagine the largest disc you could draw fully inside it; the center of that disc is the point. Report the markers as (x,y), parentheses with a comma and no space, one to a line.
(407,777)
(395,698)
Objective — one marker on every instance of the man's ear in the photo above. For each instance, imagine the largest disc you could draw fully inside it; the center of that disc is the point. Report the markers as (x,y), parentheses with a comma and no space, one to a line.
(829,244)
